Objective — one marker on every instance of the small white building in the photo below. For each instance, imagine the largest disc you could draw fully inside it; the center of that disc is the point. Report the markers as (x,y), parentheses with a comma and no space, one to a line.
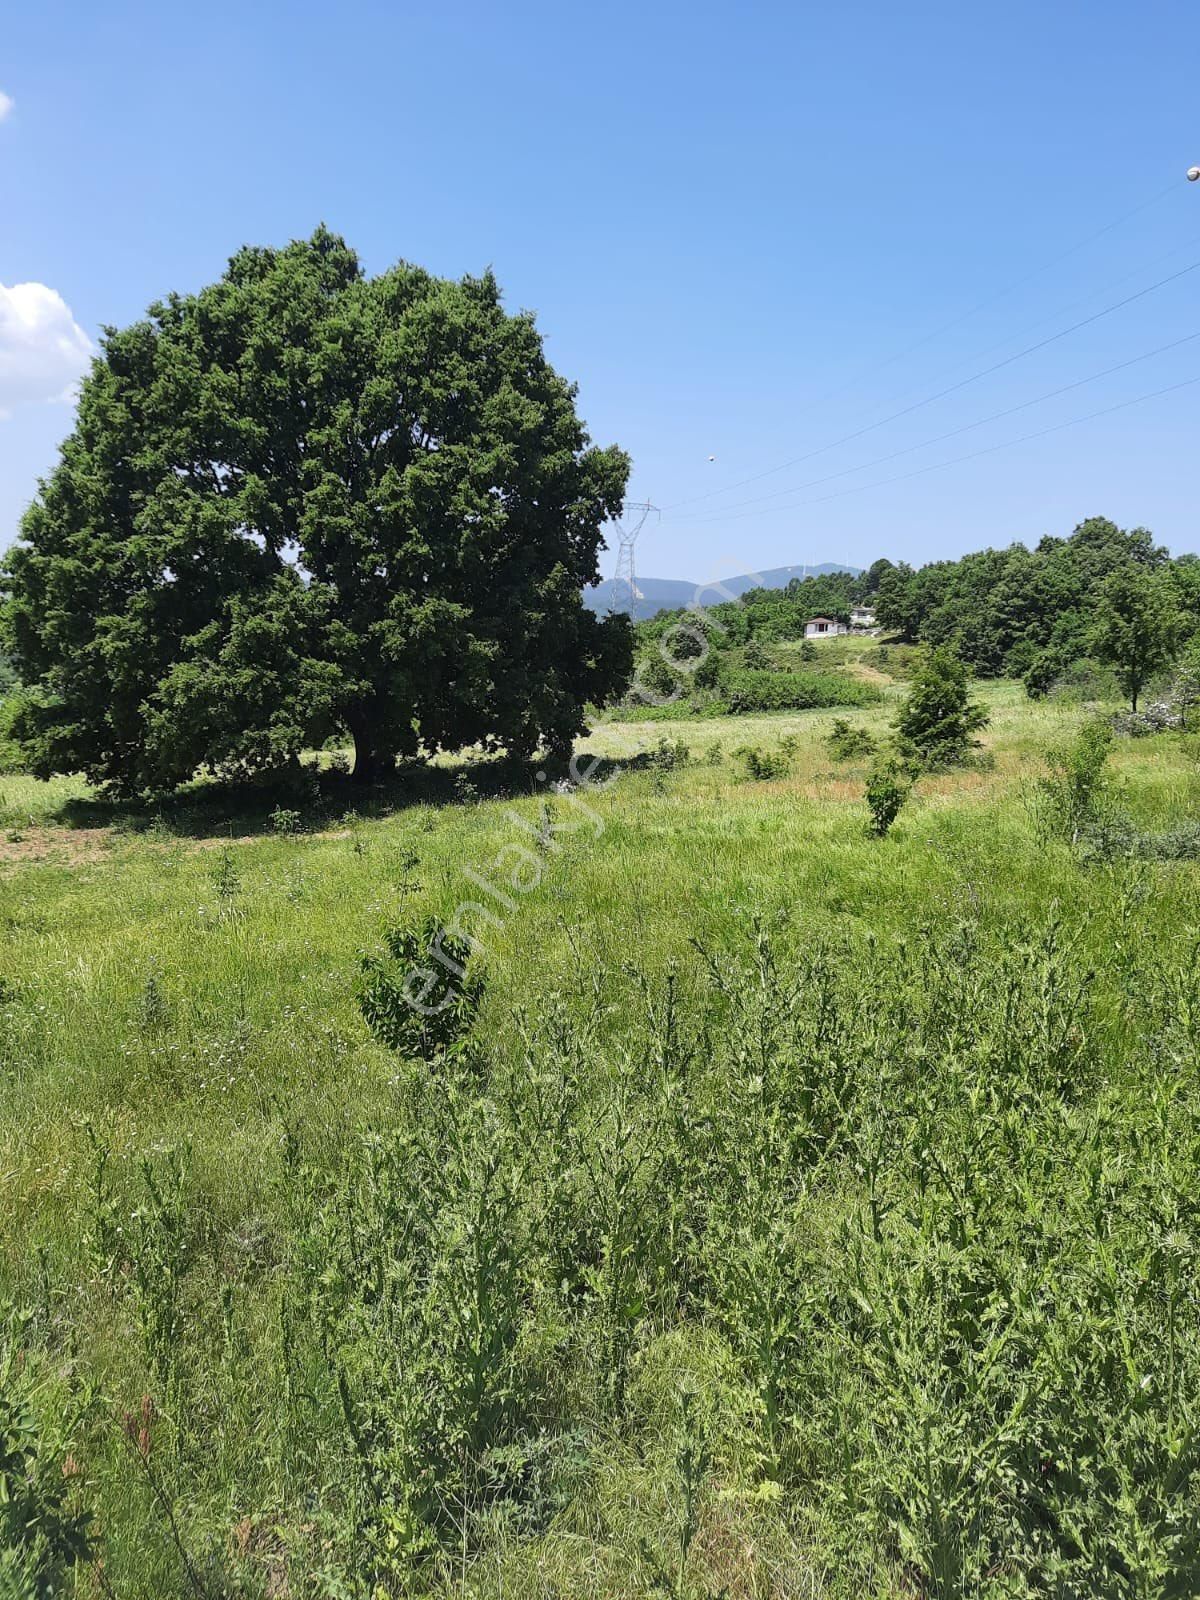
(862,617)
(823,628)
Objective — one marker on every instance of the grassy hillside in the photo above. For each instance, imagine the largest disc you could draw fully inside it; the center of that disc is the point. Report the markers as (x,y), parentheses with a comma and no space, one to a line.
(801,1215)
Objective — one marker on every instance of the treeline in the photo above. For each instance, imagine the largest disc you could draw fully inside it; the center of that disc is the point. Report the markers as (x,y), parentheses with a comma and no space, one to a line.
(1033,614)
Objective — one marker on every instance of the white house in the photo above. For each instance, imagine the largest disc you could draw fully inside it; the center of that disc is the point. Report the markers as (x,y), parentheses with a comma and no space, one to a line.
(862,617)
(823,628)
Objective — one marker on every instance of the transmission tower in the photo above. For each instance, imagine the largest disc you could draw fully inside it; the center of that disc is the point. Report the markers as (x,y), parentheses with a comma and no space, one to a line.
(625,590)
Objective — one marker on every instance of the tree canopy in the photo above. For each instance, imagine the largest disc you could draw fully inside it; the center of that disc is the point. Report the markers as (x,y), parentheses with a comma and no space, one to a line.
(305,499)
(1138,627)
(1029,613)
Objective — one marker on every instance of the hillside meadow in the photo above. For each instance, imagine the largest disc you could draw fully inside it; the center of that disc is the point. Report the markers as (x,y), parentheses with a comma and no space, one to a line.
(797,1214)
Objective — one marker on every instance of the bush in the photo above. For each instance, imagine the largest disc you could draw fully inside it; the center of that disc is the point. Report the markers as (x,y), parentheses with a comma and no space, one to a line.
(11,758)
(896,661)
(654,678)
(1070,682)
(681,710)
(796,691)
(1071,800)
(1181,843)
(938,719)
(761,765)
(1159,716)
(889,785)
(669,754)
(42,1536)
(845,743)
(1039,677)
(1185,686)
(466,790)
(421,999)
(684,641)
(1075,803)
(708,674)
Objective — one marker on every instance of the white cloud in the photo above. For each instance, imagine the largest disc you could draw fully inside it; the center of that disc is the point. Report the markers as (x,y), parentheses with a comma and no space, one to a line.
(6,104)
(43,350)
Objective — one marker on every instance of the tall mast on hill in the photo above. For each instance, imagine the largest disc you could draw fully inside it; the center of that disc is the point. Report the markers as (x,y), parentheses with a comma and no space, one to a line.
(625,589)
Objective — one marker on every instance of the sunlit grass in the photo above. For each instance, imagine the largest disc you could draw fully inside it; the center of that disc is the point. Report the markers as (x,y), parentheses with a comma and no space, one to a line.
(172,986)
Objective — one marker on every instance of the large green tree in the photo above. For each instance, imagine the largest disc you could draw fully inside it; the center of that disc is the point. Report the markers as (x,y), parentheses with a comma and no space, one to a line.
(1139,627)
(305,498)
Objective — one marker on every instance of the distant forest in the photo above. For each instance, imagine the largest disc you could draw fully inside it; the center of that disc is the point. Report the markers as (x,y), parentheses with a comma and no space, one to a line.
(1011,613)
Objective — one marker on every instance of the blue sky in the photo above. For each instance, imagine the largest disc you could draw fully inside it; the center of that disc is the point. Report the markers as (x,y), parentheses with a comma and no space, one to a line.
(747,233)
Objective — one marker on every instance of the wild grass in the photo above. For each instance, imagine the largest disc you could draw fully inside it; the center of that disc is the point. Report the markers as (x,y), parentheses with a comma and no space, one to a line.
(787,1213)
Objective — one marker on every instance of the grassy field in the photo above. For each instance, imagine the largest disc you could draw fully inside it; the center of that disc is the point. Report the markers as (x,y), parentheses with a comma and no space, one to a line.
(801,1215)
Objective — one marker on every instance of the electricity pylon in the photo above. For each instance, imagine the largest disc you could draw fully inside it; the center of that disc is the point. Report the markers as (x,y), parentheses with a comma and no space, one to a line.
(625,590)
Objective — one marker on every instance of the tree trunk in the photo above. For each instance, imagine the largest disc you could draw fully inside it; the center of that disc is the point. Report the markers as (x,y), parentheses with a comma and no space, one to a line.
(364,753)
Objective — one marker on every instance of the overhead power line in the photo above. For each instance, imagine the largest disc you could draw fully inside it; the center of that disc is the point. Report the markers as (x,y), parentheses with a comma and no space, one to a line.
(975,377)
(972,455)
(1007,339)
(989,300)
(952,433)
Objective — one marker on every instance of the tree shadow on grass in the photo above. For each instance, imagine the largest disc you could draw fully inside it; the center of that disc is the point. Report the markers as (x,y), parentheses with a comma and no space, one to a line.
(314,801)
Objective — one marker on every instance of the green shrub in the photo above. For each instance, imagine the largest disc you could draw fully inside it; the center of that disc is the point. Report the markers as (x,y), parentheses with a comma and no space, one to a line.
(1180,843)
(410,1279)
(654,678)
(708,673)
(42,1534)
(669,755)
(846,743)
(11,758)
(889,785)
(286,820)
(1075,803)
(795,691)
(161,1246)
(466,790)
(421,999)
(1041,674)
(227,881)
(938,718)
(1069,680)
(680,710)
(1073,799)
(759,766)
(685,641)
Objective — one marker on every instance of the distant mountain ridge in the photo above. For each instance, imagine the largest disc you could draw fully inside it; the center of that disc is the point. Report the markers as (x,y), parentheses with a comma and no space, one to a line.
(668,594)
